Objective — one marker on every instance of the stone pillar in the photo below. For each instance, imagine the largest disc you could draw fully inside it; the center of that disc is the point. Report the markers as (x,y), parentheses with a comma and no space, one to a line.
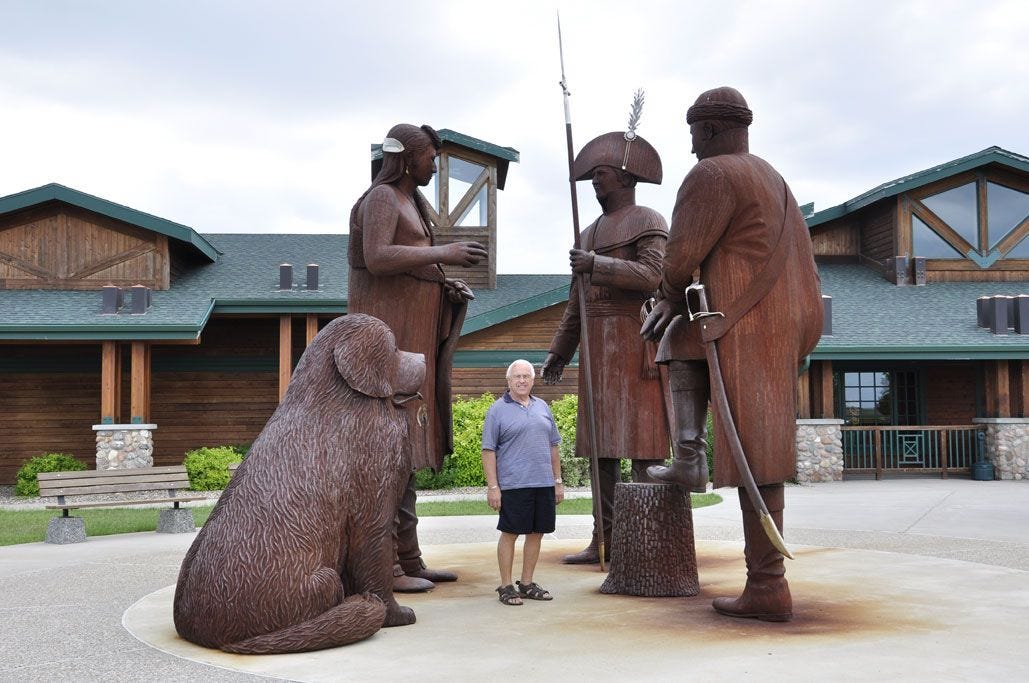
(124,446)
(819,450)
(1007,445)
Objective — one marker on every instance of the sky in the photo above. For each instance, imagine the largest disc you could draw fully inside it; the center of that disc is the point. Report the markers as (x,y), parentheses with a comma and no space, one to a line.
(258,116)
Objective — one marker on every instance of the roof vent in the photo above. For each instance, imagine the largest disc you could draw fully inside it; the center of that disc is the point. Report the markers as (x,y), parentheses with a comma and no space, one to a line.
(285,276)
(312,276)
(112,300)
(142,299)
(999,313)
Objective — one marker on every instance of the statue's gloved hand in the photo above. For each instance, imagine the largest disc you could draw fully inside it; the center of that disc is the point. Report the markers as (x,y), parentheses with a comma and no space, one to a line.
(553,368)
(457,290)
(581,261)
(463,254)
(656,323)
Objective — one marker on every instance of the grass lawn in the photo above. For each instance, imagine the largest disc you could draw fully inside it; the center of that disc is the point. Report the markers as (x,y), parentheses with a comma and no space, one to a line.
(29,526)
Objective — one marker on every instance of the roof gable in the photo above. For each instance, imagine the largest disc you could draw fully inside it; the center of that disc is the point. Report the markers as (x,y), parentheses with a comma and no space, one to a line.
(991,155)
(54,192)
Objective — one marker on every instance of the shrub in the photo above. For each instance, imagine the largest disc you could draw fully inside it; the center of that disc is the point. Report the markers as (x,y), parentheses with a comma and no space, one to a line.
(208,468)
(26,484)
(574,471)
(463,467)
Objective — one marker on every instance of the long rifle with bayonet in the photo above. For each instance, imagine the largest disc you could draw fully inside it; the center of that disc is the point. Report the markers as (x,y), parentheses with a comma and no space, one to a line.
(580,285)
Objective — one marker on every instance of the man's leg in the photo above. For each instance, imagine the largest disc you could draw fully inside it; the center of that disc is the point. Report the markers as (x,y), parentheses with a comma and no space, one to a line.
(409,554)
(766,595)
(505,556)
(690,392)
(608,474)
(530,555)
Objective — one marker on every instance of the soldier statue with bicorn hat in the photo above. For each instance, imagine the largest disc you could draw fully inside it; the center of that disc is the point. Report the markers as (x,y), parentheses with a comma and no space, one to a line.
(621,258)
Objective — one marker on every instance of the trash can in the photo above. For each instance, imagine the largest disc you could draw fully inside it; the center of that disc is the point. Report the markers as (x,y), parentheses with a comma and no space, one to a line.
(982,469)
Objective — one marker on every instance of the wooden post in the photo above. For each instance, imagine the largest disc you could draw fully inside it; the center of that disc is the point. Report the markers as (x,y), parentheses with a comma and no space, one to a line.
(312,327)
(1022,368)
(944,434)
(804,395)
(826,408)
(997,388)
(652,548)
(878,436)
(140,383)
(108,382)
(285,353)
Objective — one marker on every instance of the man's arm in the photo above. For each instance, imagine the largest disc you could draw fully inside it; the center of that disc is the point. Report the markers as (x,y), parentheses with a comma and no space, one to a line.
(555,463)
(489,466)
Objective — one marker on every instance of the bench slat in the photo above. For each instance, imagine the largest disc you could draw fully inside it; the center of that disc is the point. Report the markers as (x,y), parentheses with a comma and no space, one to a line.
(107,481)
(122,503)
(113,488)
(93,474)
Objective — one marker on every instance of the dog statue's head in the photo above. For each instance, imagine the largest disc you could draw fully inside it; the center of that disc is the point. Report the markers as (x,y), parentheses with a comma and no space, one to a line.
(367,358)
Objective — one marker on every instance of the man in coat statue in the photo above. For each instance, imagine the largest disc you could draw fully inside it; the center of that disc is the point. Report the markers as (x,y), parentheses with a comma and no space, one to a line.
(621,255)
(736,221)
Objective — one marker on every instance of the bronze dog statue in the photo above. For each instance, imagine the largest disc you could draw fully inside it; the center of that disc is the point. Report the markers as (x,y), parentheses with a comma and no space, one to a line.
(297,554)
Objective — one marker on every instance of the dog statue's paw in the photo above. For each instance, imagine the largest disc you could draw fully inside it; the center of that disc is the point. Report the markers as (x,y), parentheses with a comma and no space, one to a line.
(398,615)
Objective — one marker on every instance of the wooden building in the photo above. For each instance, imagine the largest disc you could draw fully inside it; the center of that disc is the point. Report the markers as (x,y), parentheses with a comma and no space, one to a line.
(907,366)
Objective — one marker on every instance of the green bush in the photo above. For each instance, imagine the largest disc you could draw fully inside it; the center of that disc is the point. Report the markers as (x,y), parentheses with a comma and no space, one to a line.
(463,467)
(574,471)
(208,468)
(26,484)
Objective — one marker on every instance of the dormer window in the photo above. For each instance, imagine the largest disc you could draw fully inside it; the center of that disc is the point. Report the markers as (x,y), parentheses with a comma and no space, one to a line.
(982,217)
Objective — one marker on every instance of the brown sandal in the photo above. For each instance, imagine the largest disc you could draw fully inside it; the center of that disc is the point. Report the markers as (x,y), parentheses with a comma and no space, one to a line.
(508,595)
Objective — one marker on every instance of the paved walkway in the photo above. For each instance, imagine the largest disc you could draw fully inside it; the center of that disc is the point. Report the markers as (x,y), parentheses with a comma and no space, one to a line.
(947,600)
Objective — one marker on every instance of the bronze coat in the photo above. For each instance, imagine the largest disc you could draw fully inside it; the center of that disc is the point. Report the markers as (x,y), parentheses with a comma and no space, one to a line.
(727,214)
(423,320)
(627,400)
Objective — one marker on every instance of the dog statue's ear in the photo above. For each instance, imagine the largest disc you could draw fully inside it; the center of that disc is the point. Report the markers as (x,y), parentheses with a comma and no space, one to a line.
(366,356)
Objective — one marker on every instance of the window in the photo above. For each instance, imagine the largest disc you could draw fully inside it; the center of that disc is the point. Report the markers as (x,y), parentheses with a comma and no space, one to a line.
(955,223)
(879,397)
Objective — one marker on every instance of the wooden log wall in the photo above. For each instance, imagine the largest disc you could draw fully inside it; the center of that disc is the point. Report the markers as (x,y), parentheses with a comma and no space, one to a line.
(949,393)
(837,238)
(473,382)
(532,331)
(56,246)
(878,230)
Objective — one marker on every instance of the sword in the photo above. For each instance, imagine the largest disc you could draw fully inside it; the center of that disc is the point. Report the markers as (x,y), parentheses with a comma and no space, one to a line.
(720,402)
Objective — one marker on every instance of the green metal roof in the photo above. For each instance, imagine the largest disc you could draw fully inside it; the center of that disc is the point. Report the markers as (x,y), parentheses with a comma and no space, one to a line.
(874,319)
(59,193)
(991,155)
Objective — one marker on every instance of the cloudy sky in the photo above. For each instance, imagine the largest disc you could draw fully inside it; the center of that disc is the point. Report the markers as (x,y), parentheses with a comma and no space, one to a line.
(257,116)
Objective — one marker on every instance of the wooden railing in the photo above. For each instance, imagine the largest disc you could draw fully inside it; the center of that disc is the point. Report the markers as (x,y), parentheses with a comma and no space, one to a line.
(939,449)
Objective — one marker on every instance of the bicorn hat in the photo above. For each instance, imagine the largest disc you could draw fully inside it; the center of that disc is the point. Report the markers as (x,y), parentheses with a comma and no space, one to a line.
(626,151)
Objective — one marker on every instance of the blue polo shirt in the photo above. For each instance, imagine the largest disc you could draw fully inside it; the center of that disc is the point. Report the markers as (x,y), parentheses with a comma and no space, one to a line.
(521,436)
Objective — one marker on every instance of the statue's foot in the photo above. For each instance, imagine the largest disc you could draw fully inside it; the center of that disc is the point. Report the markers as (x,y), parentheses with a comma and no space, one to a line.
(411,584)
(398,615)
(588,555)
(766,599)
(433,575)
(691,475)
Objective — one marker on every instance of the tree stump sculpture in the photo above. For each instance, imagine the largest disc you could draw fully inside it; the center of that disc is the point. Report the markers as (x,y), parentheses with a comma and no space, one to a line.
(653,554)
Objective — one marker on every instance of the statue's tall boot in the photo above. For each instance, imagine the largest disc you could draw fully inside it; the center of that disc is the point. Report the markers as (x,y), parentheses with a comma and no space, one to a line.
(766,595)
(608,474)
(689,385)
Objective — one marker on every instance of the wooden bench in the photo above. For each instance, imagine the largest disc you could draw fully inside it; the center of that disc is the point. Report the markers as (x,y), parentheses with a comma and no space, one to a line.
(62,485)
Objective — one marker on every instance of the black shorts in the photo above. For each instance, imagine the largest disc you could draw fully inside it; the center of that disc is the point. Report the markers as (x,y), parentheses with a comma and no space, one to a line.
(528,511)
